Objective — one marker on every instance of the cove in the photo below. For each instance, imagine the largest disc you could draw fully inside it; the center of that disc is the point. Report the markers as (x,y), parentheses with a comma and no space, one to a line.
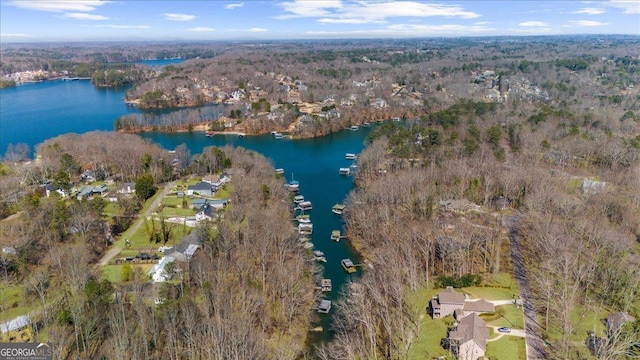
(314,163)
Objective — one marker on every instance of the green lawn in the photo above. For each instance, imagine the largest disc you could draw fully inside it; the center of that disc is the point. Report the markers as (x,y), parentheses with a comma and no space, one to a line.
(114,273)
(175,201)
(501,286)
(506,315)
(507,348)
(12,303)
(171,212)
(426,345)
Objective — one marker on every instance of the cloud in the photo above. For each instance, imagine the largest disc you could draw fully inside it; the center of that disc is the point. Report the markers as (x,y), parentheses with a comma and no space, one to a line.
(59,5)
(15,35)
(234,6)
(257,29)
(114,26)
(629,6)
(201,29)
(408,30)
(337,12)
(85,16)
(533,24)
(179,17)
(589,11)
(587,23)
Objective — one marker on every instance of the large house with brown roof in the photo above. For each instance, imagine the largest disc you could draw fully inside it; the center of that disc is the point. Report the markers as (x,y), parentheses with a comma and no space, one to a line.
(468,339)
(451,302)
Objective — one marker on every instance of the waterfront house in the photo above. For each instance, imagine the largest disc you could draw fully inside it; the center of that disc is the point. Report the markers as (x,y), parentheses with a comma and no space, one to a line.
(468,340)
(16,330)
(101,190)
(184,251)
(202,188)
(127,188)
(85,193)
(451,302)
(50,189)
(88,176)
(207,212)
(158,272)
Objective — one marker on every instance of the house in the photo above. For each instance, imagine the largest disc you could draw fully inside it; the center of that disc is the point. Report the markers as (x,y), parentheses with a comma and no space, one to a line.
(447,301)
(206,212)
(158,272)
(468,340)
(85,193)
(88,176)
(198,203)
(218,203)
(379,103)
(202,188)
(127,188)
(101,190)
(16,330)
(184,251)
(50,188)
(451,302)
(616,320)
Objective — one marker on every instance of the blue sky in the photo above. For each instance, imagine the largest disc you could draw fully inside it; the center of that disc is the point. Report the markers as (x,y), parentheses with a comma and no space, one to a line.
(100,20)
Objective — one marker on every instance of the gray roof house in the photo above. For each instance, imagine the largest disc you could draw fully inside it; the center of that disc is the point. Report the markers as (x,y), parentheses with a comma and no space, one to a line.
(185,250)
(469,338)
(206,212)
(449,302)
(202,188)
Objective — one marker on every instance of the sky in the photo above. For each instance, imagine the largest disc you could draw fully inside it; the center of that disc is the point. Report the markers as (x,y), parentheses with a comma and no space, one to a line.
(141,20)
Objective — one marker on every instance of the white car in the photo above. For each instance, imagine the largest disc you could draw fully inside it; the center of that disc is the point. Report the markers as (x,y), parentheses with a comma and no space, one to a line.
(504,330)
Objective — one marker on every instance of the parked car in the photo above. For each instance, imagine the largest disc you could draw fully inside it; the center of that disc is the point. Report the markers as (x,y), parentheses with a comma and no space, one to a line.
(504,330)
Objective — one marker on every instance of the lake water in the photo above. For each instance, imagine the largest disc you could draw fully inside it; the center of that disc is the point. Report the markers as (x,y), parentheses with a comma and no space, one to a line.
(32,113)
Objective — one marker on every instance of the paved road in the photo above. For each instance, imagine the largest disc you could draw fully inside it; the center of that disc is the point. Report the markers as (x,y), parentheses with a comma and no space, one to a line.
(535,344)
(115,250)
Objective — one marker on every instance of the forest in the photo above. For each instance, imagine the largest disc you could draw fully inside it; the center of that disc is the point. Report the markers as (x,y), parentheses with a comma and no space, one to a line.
(516,160)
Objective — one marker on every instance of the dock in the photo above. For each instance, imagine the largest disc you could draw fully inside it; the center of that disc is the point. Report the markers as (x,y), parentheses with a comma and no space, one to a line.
(336,235)
(345,171)
(324,307)
(338,209)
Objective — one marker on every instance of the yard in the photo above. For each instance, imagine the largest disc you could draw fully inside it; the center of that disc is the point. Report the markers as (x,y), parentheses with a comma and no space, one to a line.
(426,345)
(507,348)
(506,315)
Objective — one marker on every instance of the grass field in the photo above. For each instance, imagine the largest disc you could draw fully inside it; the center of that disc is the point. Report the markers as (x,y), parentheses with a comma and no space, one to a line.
(12,301)
(507,348)
(506,315)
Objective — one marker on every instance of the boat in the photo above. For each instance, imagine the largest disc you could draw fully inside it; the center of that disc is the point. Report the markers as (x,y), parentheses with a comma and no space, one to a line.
(293,185)
(354,128)
(350,156)
(305,205)
(321,259)
(318,253)
(366,124)
(278,136)
(279,171)
(344,171)
(338,209)
(298,199)
(396,119)
(348,266)
(304,220)
(324,307)
(325,285)
(305,229)
(308,245)
(274,133)
(209,133)
(335,235)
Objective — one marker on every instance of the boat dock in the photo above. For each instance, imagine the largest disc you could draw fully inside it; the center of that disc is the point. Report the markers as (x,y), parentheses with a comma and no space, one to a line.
(336,235)
(345,171)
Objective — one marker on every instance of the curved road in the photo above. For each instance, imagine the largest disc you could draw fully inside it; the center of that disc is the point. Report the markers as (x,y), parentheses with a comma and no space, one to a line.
(115,250)
(534,342)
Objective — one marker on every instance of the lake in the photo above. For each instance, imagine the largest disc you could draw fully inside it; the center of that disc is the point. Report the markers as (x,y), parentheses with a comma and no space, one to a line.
(32,113)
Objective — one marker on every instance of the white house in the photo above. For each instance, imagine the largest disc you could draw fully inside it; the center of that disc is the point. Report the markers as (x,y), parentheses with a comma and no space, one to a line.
(158,272)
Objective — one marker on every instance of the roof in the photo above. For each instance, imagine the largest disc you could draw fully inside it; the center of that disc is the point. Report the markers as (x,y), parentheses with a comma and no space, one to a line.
(200,186)
(181,251)
(479,306)
(471,327)
(160,265)
(15,324)
(615,320)
(191,249)
(450,296)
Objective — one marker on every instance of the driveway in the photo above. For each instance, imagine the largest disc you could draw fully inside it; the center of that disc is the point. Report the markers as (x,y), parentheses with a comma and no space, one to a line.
(514,332)
(501,302)
(115,250)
